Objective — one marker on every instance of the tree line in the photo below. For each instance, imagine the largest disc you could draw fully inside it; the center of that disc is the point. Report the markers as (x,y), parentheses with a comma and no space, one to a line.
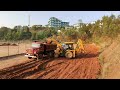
(108,26)
(26,33)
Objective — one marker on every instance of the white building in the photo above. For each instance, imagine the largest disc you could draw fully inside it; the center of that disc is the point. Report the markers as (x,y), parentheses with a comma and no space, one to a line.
(93,22)
(69,27)
(78,25)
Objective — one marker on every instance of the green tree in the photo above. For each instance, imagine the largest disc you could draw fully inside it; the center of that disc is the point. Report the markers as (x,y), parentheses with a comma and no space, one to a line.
(42,35)
(19,27)
(3,32)
(34,36)
(26,29)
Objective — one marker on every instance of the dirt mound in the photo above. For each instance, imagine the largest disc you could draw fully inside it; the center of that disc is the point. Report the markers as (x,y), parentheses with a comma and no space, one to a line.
(10,44)
(110,59)
(5,44)
(14,44)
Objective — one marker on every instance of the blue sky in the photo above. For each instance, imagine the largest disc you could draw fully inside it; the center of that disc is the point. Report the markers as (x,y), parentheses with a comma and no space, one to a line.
(12,18)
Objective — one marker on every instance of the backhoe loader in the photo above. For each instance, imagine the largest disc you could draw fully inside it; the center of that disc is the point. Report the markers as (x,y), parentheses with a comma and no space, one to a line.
(68,49)
(73,50)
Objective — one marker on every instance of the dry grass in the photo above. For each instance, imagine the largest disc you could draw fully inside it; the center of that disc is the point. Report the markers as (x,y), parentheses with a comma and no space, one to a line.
(111,61)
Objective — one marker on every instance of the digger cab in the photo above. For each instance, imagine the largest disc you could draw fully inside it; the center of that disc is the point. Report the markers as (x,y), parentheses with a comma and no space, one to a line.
(71,49)
(68,45)
(68,49)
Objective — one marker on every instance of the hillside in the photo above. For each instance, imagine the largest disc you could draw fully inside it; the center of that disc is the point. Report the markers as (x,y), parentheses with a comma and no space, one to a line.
(110,60)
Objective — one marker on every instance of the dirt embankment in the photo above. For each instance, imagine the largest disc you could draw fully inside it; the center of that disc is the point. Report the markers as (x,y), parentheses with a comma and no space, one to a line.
(82,67)
(110,60)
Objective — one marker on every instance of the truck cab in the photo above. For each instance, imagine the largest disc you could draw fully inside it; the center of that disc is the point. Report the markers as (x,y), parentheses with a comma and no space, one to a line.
(33,50)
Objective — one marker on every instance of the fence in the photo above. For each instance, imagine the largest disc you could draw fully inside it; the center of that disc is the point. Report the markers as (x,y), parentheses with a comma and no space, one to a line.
(14,48)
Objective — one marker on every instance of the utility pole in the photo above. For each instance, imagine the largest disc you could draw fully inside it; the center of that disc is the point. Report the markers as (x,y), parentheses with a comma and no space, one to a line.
(28,20)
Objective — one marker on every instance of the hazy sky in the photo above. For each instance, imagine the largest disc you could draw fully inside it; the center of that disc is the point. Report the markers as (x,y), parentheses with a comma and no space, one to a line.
(12,18)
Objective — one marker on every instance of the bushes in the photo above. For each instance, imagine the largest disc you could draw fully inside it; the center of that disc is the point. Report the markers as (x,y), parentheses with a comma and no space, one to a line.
(34,36)
(41,35)
(73,34)
(46,33)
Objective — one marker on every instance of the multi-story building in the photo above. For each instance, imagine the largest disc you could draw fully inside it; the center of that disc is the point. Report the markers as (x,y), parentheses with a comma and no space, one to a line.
(54,22)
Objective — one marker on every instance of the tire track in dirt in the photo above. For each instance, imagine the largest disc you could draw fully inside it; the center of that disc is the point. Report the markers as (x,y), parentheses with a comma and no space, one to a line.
(58,69)
(21,70)
(86,67)
(72,70)
(83,67)
(48,69)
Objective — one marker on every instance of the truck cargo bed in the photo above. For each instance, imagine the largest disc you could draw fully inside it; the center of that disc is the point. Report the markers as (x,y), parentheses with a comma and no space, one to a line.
(48,47)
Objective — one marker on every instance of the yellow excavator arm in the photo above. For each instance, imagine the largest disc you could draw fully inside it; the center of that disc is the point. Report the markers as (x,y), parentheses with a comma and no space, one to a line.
(80,47)
(55,42)
(59,46)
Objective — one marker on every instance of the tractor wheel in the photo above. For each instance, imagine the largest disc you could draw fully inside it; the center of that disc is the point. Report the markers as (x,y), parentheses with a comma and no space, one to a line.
(69,55)
(51,54)
(40,56)
(29,57)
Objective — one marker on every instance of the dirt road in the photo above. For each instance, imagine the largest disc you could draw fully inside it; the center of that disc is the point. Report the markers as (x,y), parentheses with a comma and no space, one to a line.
(82,67)
(8,62)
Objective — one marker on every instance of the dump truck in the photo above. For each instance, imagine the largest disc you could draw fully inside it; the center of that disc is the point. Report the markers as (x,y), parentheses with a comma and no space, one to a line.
(40,49)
